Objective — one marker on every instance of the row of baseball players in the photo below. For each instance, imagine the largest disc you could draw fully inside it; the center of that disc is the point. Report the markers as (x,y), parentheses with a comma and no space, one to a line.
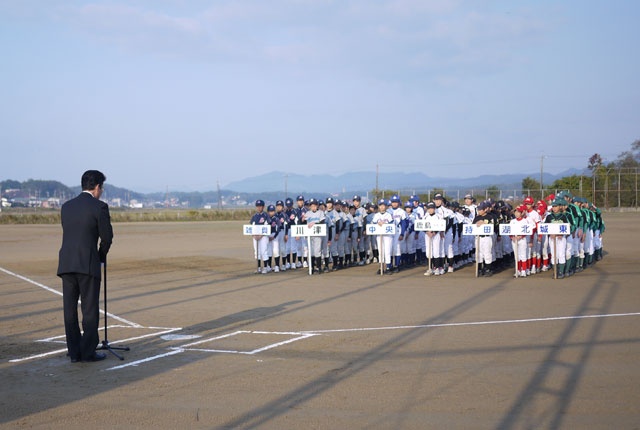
(347,244)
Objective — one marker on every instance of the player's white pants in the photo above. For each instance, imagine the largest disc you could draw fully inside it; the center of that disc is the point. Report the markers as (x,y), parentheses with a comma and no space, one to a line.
(278,245)
(575,251)
(507,246)
(522,248)
(561,245)
(588,243)
(545,249)
(498,246)
(342,240)
(333,248)
(260,248)
(368,243)
(325,246)
(397,251)
(410,243)
(597,240)
(570,245)
(316,246)
(355,246)
(387,243)
(485,252)
(432,245)
(291,245)
(581,246)
(362,245)
(447,245)
(420,242)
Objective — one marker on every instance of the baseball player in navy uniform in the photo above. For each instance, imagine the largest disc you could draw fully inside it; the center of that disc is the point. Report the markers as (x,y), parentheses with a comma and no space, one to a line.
(292,244)
(326,240)
(302,244)
(359,217)
(261,243)
(371,243)
(279,241)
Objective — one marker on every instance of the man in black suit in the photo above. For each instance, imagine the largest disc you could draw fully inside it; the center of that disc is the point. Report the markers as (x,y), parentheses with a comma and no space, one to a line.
(84,220)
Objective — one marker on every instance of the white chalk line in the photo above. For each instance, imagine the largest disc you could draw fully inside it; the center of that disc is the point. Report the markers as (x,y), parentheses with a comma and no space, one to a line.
(188,347)
(472,323)
(144,360)
(303,334)
(31,281)
(165,330)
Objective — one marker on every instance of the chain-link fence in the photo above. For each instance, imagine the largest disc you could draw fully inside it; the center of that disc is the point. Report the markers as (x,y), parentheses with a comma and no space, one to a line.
(606,188)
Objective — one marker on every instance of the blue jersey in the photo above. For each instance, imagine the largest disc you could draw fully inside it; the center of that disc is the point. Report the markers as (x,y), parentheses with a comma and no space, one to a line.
(300,214)
(278,223)
(260,218)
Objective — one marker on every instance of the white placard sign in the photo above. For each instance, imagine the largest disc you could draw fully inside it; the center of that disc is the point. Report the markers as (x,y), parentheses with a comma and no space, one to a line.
(375,229)
(474,230)
(256,230)
(554,228)
(515,230)
(304,230)
(430,225)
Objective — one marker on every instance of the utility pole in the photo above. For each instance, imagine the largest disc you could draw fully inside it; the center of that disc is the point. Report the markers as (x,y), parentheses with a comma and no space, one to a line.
(619,169)
(377,171)
(219,194)
(166,199)
(286,183)
(541,170)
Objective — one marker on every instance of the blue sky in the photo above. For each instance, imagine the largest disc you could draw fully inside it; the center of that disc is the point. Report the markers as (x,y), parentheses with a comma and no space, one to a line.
(184,93)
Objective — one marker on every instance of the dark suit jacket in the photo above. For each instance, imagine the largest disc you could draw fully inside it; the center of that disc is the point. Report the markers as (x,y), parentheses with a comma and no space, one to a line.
(84,220)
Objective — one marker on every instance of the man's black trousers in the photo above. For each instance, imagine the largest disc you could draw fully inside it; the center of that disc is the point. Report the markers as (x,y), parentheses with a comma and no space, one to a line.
(87,288)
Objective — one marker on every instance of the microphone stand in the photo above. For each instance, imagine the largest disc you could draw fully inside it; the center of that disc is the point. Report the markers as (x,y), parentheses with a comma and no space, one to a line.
(105,343)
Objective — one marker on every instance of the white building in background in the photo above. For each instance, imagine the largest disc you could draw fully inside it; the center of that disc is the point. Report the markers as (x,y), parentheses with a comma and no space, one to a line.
(134,204)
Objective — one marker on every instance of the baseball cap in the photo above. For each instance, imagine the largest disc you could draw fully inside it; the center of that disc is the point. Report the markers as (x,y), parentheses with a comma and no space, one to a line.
(329,200)
(356,198)
(408,204)
(289,202)
(279,203)
(431,205)
(271,208)
(528,200)
(468,196)
(300,198)
(312,202)
(437,196)
(382,202)
(259,202)
(321,202)
(395,198)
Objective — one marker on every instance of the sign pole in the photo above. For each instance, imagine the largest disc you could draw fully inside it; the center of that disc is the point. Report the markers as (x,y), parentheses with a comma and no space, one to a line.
(309,254)
(477,254)
(430,250)
(515,249)
(555,257)
(381,254)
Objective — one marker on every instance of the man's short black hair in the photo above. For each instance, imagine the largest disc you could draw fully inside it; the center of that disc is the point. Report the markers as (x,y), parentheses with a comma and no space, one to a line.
(91,178)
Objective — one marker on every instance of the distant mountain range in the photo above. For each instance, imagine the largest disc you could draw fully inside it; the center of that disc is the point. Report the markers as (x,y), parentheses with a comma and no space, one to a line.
(366,181)
(271,187)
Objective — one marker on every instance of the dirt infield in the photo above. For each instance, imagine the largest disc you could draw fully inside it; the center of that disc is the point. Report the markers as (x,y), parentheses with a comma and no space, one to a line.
(214,346)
